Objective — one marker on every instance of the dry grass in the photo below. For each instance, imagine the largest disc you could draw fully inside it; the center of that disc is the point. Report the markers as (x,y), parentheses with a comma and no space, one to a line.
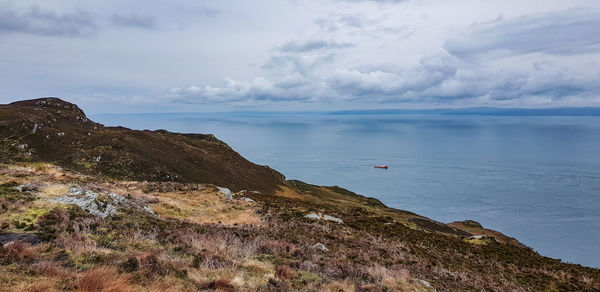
(218,285)
(104,279)
(205,207)
(37,286)
(340,286)
(16,250)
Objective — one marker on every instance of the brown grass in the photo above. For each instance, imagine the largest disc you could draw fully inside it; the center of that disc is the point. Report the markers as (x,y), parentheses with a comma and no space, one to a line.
(205,206)
(288,193)
(16,250)
(218,285)
(104,279)
(50,269)
(37,286)
(284,273)
(340,286)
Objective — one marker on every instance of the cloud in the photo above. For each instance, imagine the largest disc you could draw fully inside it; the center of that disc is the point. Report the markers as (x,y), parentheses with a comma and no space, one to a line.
(464,71)
(438,79)
(134,21)
(47,23)
(560,33)
(311,45)
(289,88)
(381,85)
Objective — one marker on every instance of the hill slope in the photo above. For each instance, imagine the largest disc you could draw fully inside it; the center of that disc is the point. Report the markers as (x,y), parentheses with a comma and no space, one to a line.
(53,130)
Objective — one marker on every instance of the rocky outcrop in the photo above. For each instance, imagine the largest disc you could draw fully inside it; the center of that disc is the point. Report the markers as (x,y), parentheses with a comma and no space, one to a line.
(100,204)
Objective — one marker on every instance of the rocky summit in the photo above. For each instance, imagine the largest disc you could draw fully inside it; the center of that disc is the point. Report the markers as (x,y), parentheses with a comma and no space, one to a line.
(84,207)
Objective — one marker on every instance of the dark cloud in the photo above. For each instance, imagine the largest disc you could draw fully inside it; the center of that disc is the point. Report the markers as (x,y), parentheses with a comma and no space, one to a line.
(568,32)
(311,45)
(47,23)
(134,20)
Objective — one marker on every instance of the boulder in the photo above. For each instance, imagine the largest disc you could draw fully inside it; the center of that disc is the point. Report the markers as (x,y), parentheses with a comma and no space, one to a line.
(226,192)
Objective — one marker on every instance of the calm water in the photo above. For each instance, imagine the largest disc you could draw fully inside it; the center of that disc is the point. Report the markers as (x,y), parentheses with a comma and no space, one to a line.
(533,178)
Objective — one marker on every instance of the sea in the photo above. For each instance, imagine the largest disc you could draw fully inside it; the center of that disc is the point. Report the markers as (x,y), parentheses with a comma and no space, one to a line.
(535,178)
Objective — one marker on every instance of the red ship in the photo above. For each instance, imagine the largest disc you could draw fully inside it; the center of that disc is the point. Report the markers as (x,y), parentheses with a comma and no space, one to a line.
(381,166)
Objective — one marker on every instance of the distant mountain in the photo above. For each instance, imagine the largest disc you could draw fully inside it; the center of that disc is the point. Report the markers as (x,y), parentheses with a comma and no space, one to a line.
(482,111)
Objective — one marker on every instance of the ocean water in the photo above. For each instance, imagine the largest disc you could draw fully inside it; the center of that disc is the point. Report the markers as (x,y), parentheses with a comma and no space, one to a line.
(534,178)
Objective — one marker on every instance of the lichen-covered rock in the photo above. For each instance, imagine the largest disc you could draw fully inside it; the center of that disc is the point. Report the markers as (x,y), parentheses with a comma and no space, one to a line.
(97,203)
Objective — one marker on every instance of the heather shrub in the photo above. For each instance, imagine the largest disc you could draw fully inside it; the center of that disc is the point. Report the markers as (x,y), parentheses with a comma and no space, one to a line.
(15,251)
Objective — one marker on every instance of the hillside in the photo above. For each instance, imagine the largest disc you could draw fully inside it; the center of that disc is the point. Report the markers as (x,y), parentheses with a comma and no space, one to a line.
(93,208)
(53,130)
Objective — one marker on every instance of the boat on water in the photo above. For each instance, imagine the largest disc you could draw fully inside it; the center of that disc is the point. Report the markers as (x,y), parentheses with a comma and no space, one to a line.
(381,166)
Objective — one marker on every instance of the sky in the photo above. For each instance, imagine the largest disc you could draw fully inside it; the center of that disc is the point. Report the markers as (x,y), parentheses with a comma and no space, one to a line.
(199,56)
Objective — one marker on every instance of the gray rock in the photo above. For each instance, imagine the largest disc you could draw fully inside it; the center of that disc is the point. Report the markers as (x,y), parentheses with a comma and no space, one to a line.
(247,199)
(425,283)
(312,216)
(88,201)
(320,216)
(147,209)
(477,237)
(226,192)
(28,187)
(334,219)
(320,246)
